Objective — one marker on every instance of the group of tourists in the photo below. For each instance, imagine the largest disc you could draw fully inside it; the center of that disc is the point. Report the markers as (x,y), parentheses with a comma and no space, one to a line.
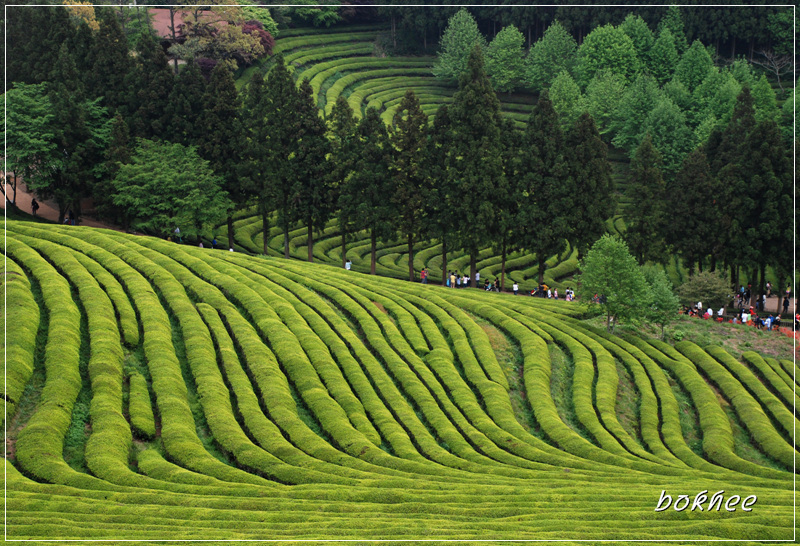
(747,316)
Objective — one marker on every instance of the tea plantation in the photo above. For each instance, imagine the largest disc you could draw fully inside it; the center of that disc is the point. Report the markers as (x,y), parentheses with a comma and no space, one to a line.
(159,391)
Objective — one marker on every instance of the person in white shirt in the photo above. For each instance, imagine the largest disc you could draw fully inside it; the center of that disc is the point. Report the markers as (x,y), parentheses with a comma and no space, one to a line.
(720,312)
(348,264)
(515,287)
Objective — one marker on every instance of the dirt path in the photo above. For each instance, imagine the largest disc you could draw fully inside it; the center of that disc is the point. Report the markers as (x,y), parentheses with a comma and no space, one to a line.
(49,209)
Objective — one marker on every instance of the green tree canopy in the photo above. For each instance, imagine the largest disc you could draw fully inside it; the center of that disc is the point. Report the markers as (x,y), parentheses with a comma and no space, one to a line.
(673,21)
(168,186)
(640,34)
(694,65)
(607,47)
(709,287)
(671,136)
(638,101)
(505,59)
(663,57)
(764,101)
(458,40)
(567,99)
(646,217)
(664,303)
(553,53)
(603,96)
(610,273)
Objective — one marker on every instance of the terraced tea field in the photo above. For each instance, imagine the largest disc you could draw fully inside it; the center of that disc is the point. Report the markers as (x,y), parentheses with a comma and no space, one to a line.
(159,391)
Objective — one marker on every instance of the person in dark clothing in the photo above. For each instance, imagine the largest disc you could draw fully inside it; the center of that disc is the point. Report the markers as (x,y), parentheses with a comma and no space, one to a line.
(34,207)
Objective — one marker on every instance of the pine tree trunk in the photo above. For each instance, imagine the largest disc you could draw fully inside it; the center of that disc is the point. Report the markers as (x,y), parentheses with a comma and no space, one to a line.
(473,262)
(411,258)
(373,247)
(265,230)
(762,274)
(310,224)
(344,247)
(503,269)
(394,36)
(779,295)
(542,267)
(230,231)
(733,50)
(286,240)
(444,262)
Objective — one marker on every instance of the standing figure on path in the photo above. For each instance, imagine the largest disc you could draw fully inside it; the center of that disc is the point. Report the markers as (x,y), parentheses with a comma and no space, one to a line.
(424,275)
(348,264)
(34,207)
(785,304)
(515,287)
(214,242)
(769,289)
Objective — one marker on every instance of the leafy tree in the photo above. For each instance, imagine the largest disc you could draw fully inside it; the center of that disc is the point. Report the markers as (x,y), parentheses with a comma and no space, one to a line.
(721,104)
(33,39)
(612,274)
(342,126)
(319,14)
(675,91)
(640,34)
(647,216)
(311,182)
(567,99)
(229,45)
(788,120)
(636,104)
(694,66)
(545,205)
(607,47)
(167,186)
(710,287)
(459,38)
(220,143)
(118,152)
(475,161)
(408,138)
(364,195)
(673,21)
(764,101)
(663,57)
(743,72)
(704,130)
(603,95)
(554,53)
(671,136)
(703,95)
(264,37)
(30,137)
(664,303)
(505,62)
(593,201)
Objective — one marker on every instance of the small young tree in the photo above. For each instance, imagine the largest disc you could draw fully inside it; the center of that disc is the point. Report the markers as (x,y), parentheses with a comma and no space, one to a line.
(710,287)
(550,55)
(611,273)
(664,302)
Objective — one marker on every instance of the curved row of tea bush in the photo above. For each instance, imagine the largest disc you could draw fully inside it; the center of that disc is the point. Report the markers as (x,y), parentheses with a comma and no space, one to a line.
(236,396)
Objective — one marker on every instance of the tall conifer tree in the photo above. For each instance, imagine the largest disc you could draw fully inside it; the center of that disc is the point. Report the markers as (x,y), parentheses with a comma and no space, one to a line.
(342,132)
(475,161)
(646,216)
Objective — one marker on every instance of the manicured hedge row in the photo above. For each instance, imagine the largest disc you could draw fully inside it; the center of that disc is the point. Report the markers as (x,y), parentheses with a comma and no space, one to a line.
(749,411)
(322,71)
(344,82)
(140,409)
(773,378)
(21,324)
(289,43)
(769,401)
(311,55)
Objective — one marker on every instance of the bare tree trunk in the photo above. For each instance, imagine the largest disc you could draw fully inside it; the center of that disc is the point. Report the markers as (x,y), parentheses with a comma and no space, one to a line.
(286,240)
(473,261)
(265,229)
(310,240)
(394,29)
(779,295)
(174,34)
(503,269)
(230,231)
(411,257)
(733,50)
(373,246)
(444,262)
(542,266)
(344,247)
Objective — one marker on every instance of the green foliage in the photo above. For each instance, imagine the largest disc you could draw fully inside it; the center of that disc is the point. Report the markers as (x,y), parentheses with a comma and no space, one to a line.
(592,200)
(764,101)
(458,40)
(673,21)
(167,186)
(608,48)
(647,218)
(666,124)
(709,287)
(603,96)
(663,57)
(664,303)
(319,14)
(567,99)
(694,65)
(638,101)
(640,34)
(611,273)
(552,54)
(505,59)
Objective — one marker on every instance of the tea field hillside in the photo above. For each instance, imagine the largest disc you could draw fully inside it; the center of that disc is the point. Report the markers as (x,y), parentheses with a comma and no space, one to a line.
(157,391)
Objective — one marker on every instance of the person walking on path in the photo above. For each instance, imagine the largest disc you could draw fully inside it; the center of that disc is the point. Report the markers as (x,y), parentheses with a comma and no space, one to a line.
(424,275)
(34,207)
(515,287)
